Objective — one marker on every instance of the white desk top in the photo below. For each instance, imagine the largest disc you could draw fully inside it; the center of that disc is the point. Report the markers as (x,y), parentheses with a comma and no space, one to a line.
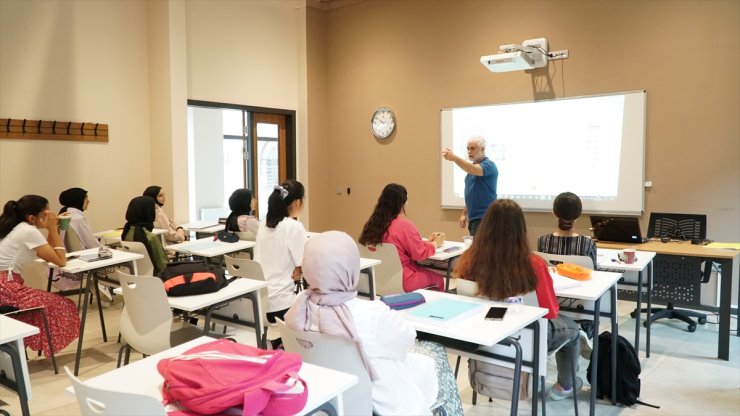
(208,247)
(237,288)
(591,289)
(142,377)
(440,254)
(78,265)
(199,225)
(366,263)
(606,259)
(12,329)
(475,328)
(116,233)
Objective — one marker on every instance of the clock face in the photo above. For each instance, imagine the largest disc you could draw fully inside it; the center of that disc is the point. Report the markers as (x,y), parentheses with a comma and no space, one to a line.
(383,122)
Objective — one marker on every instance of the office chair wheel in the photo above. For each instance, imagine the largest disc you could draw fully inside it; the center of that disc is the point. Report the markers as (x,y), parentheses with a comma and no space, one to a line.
(692,328)
(702,320)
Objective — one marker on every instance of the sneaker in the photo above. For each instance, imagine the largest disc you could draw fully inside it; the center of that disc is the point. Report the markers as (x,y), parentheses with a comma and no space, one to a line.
(585,344)
(559,393)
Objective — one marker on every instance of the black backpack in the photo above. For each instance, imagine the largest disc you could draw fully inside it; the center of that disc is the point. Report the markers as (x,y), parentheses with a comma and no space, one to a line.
(628,371)
(189,278)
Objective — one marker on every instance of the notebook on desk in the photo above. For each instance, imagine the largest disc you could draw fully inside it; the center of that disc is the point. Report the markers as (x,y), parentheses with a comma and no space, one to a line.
(617,229)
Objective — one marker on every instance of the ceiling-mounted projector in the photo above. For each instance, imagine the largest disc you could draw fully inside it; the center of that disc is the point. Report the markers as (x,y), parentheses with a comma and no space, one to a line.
(532,53)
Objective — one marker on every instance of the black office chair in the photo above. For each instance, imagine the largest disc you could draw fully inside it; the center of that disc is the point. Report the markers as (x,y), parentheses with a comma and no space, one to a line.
(678,279)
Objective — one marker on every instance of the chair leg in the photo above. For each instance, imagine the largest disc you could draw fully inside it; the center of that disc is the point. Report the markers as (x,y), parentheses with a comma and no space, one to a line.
(574,366)
(457,366)
(542,395)
(120,354)
(475,397)
(48,340)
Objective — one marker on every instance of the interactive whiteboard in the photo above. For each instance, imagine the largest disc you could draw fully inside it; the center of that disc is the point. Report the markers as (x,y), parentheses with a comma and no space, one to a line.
(593,146)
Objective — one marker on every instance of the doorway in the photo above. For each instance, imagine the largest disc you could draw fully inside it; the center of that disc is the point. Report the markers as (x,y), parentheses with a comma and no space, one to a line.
(237,146)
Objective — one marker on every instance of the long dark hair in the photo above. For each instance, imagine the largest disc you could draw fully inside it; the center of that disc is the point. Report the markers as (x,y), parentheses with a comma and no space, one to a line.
(499,259)
(567,207)
(390,204)
(15,212)
(280,199)
(240,203)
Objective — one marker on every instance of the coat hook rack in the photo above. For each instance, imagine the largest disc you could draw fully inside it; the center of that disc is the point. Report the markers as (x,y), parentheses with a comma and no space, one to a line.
(47,130)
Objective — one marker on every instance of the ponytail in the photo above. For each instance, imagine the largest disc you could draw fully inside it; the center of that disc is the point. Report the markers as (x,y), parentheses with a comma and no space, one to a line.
(15,212)
(280,199)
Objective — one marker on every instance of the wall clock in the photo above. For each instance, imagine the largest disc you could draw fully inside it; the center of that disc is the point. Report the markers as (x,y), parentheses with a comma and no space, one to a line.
(383,122)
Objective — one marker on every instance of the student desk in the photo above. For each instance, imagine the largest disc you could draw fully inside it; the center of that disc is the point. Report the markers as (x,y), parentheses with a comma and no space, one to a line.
(208,247)
(607,260)
(457,248)
(79,266)
(112,236)
(12,333)
(325,386)
(729,261)
(592,290)
(476,331)
(367,268)
(239,288)
(203,228)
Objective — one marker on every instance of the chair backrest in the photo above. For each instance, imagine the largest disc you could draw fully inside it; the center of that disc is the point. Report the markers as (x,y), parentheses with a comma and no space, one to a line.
(72,241)
(389,273)
(526,336)
(94,401)
(146,320)
(336,353)
(249,269)
(552,260)
(144,267)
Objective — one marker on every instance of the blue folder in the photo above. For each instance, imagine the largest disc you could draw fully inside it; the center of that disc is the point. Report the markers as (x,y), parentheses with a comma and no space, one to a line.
(443,309)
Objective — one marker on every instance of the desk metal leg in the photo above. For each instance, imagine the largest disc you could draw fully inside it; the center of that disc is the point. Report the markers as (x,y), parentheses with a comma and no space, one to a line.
(371,281)
(100,308)
(449,275)
(536,370)
(595,368)
(255,298)
(649,307)
(615,334)
(15,358)
(517,374)
(638,312)
(83,318)
(725,298)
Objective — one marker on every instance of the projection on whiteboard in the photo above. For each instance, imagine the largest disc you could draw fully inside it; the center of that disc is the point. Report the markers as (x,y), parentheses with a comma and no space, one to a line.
(592,146)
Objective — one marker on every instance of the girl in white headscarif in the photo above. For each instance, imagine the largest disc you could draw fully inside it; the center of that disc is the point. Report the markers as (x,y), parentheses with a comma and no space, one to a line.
(408,377)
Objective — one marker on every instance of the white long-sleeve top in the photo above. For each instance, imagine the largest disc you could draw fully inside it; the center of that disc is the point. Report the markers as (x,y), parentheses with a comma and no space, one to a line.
(407,382)
(82,228)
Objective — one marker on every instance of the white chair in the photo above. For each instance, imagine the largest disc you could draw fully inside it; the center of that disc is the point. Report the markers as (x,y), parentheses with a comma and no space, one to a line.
(336,353)
(526,339)
(388,274)
(72,241)
(99,402)
(146,319)
(144,267)
(241,308)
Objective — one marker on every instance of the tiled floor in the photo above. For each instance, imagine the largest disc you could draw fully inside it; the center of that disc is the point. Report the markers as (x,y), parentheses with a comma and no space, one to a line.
(682,375)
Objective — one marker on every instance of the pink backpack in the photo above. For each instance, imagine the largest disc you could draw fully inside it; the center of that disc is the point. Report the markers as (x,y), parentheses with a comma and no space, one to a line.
(218,375)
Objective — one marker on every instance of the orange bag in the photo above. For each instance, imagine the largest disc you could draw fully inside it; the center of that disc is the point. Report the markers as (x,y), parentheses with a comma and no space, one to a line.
(574,271)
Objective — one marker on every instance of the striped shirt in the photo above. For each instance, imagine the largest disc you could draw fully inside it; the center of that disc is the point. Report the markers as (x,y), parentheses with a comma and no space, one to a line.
(578,245)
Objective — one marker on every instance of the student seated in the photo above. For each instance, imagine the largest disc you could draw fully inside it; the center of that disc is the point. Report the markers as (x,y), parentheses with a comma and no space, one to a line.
(567,208)
(240,219)
(279,248)
(408,377)
(173,233)
(502,265)
(21,241)
(139,225)
(388,224)
(74,202)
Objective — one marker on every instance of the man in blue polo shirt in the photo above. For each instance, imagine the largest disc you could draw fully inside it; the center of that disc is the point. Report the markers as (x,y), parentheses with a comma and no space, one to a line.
(480,182)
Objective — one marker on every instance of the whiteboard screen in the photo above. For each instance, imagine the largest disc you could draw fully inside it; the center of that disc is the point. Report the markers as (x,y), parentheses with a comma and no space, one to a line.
(592,146)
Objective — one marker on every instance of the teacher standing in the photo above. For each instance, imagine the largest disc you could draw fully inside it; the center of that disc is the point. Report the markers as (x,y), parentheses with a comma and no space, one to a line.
(480,181)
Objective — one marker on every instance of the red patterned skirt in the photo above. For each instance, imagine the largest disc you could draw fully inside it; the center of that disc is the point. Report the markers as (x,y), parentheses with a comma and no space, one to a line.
(61,313)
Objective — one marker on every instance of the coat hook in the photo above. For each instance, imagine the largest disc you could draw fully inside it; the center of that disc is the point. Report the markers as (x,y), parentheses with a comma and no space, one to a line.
(53,127)
(38,127)
(24,126)
(69,124)
(7,126)
(82,129)
(96,128)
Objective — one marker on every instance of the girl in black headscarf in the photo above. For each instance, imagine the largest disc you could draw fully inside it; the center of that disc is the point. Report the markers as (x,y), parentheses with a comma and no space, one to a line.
(242,205)
(74,201)
(139,226)
(173,233)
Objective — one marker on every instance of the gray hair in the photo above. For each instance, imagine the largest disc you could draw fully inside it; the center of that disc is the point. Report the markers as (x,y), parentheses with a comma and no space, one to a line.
(479,141)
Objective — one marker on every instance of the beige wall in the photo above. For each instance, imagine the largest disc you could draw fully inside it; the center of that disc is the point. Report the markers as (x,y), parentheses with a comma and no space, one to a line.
(76,61)
(420,56)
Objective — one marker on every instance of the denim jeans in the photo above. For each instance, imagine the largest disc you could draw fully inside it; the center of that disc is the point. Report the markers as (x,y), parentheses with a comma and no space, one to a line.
(559,330)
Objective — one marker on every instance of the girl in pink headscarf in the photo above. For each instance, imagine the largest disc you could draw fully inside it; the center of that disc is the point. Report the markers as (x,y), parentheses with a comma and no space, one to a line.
(408,377)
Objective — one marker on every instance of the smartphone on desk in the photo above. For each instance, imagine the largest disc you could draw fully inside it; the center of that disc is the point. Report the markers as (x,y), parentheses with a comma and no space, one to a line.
(496,313)
(451,249)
